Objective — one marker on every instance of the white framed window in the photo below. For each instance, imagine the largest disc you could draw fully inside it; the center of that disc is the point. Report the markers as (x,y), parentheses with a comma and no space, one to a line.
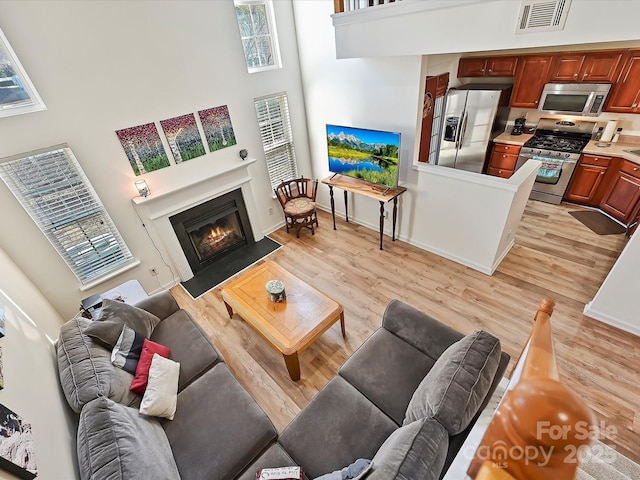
(55,192)
(17,93)
(258,33)
(277,138)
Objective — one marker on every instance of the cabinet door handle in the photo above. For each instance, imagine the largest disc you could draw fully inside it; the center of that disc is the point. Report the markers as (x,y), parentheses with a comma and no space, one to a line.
(601,173)
(635,169)
(585,75)
(504,156)
(575,74)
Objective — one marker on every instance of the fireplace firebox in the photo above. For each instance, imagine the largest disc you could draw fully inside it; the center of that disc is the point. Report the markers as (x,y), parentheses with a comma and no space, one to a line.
(210,231)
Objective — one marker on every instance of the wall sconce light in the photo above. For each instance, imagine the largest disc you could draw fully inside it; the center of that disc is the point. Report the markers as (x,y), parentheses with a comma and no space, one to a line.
(142,187)
(243,153)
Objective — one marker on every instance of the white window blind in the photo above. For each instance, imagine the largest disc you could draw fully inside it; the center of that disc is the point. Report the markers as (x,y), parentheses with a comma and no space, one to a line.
(56,193)
(277,139)
(257,31)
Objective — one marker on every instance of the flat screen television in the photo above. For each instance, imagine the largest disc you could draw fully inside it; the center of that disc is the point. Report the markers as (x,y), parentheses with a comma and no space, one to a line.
(370,155)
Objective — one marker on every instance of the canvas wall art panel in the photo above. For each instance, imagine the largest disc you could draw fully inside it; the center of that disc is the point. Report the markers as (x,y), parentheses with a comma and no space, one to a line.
(183,137)
(17,454)
(144,148)
(217,127)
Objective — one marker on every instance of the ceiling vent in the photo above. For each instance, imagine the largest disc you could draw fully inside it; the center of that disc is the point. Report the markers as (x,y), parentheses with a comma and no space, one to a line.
(542,15)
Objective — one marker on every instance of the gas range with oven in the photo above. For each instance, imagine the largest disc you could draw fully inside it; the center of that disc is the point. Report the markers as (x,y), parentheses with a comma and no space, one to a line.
(558,145)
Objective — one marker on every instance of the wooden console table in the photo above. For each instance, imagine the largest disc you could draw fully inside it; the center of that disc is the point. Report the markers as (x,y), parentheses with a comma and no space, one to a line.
(379,193)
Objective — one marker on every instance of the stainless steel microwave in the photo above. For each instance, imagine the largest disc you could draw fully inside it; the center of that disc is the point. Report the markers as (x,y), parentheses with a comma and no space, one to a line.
(584,99)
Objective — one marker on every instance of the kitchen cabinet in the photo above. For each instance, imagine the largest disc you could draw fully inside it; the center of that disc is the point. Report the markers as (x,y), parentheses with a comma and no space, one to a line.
(531,74)
(487,66)
(625,93)
(587,182)
(622,197)
(586,67)
(502,162)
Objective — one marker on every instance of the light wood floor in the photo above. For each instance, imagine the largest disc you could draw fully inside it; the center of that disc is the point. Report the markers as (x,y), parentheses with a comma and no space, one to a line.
(555,256)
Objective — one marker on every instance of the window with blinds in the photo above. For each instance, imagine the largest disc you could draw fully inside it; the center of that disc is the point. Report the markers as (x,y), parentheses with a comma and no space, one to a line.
(277,139)
(258,33)
(56,193)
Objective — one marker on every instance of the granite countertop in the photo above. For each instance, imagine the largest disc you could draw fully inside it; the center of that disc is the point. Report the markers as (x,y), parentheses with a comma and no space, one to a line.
(614,150)
(509,139)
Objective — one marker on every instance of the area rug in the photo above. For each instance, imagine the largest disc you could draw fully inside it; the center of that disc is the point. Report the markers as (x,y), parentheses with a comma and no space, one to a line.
(598,222)
(213,275)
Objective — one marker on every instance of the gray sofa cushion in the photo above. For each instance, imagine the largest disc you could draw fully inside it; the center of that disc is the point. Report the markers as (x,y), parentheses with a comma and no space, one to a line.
(338,426)
(106,332)
(138,319)
(218,429)
(116,442)
(274,457)
(161,304)
(419,329)
(86,371)
(387,370)
(456,386)
(417,450)
(189,345)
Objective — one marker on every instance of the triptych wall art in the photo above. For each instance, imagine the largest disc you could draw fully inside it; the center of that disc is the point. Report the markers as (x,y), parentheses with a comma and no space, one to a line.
(145,150)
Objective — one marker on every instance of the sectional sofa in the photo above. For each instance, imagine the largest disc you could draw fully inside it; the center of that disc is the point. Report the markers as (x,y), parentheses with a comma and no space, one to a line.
(406,399)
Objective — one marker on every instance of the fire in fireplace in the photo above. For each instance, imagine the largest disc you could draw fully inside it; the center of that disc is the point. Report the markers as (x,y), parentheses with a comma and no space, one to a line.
(213,238)
(211,230)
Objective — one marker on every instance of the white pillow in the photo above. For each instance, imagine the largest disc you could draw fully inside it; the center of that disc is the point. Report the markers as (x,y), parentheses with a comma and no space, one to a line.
(161,396)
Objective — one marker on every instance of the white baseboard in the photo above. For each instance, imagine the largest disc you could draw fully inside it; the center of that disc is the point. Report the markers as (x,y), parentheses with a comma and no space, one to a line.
(609,320)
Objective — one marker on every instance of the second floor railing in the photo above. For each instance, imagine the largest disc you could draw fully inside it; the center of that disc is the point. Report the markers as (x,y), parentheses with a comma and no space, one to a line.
(341,6)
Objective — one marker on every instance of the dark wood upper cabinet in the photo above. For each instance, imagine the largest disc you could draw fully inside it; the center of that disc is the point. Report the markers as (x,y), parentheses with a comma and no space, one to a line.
(487,66)
(586,67)
(531,75)
(625,93)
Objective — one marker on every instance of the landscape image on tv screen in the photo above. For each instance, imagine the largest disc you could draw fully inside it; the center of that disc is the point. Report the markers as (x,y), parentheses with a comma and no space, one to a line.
(370,155)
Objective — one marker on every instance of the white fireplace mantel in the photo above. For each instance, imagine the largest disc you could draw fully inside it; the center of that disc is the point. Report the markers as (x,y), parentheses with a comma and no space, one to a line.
(155,209)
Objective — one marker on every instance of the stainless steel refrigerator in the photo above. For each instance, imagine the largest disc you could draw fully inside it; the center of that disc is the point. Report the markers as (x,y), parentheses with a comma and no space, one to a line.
(474,115)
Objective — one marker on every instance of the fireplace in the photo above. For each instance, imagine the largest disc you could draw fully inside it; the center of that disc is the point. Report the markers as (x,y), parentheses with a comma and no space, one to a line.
(210,231)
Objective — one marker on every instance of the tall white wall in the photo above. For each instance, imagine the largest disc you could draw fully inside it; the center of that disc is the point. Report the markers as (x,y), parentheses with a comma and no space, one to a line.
(441,206)
(31,387)
(615,302)
(101,66)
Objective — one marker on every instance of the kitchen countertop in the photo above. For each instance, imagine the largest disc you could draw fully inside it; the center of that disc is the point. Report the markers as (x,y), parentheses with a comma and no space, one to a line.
(615,150)
(509,139)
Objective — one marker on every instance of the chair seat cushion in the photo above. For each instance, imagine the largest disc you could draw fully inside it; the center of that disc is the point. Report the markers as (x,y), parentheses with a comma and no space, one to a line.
(387,370)
(219,429)
(338,426)
(299,206)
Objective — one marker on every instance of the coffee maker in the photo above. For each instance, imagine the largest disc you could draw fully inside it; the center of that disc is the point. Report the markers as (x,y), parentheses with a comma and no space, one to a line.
(518,126)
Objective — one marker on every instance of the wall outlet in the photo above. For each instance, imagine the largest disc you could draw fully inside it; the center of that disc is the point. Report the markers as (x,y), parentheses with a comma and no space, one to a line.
(270,210)
(386,215)
(153,271)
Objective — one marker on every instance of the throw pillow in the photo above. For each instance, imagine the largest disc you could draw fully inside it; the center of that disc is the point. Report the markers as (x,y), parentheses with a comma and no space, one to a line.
(126,352)
(161,396)
(139,383)
(354,471)
(417,450)
(106,332)
(134,317)
(456,385)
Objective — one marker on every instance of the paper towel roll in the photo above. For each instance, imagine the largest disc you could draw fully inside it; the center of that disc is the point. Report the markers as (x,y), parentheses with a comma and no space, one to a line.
(609,131)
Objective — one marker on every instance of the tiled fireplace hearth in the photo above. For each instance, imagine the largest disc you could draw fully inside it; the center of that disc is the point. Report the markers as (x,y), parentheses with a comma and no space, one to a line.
(196,223)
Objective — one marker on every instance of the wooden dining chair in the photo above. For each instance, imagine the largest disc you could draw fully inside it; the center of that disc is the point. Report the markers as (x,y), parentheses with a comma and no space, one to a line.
(298,200)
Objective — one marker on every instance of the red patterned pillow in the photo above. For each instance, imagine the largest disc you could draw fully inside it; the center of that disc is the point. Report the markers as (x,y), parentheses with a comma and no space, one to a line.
(139,383)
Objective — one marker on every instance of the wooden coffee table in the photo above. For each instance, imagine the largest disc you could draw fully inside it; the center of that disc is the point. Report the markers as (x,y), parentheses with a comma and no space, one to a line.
(290,326)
